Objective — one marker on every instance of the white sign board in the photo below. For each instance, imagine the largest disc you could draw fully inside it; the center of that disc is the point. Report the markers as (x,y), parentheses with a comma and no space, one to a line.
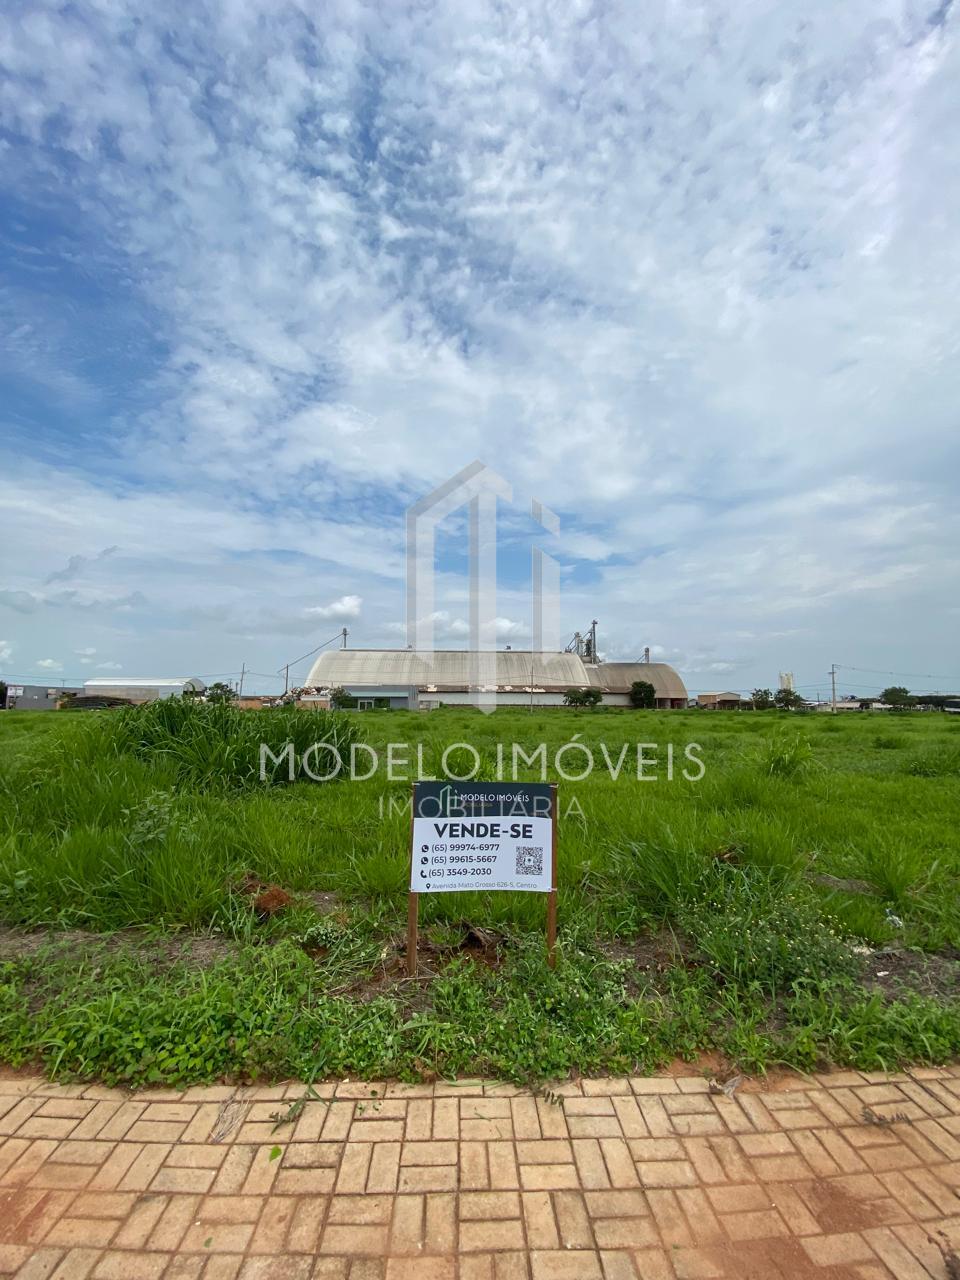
(482,835)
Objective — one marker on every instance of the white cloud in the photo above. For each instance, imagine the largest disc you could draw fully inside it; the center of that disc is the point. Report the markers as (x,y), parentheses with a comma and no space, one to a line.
(6,651)
(341,610)
(685,275)
(85,653)
(49,664)
(109,666)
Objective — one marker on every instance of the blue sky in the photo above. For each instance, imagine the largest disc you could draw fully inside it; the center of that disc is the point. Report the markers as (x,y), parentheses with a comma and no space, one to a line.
(686,273)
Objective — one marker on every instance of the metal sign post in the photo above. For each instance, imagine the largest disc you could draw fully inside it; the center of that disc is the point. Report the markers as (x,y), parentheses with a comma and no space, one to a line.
(482,835)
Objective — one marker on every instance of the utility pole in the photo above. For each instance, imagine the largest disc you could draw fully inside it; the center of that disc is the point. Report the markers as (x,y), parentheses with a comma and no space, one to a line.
(243,672)
(833,688)
(593,642)
(344,633)
(286,679)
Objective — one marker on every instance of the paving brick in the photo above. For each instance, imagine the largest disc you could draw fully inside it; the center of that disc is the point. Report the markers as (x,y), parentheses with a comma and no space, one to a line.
(546,1151)
(428,1268)
(407,1225)
(588,1107)
(617,1265)
(591,1167)
(621,1169)
(573,1222)
(305,1227)
(419,1120)
(77,1264)
(172,1224)
(549,1177)
(140,1222)
(91,1233)
(553,1121)
(144,1168)
(838,1249)
(699,1213)
(541,1225)
(503,1233)
(446,1119)
(384,1167)
(615,1204)
(270,1232)
(526,1118)
(480,1205)
(630,1118)
(442,1177)
(653,1085)
(486,1130)
(217,1237)
(40,1265)
(233,1171)
(186,1180)
(580,1264)
(473,1166)
(502,1165)
(116,1266)
(429,1153)
(441,1224)
(278,1267)
(757,1225)
(671,1223)
(625,1233)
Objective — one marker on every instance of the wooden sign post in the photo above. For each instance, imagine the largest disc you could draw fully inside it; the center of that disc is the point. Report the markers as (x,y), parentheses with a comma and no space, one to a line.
(483,835)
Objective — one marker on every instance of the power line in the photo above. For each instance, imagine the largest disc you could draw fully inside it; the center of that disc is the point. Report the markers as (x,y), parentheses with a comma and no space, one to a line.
(909,675)
(286,665)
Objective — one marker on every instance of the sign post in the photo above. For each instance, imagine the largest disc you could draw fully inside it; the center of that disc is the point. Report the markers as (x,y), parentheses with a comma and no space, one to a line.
(483,835)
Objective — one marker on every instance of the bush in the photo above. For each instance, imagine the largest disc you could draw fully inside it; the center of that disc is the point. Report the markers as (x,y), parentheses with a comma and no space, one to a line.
(213,744)
(754,930)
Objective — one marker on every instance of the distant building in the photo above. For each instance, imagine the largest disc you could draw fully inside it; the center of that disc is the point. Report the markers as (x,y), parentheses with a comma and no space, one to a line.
(142,688)
(719,701)
(37,697)
(417,680)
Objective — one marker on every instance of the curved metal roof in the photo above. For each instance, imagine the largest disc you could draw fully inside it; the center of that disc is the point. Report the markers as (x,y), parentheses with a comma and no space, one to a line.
(516,668)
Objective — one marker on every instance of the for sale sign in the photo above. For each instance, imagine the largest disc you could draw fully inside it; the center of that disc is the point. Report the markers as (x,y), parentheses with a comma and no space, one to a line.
(488,835)
(483,835)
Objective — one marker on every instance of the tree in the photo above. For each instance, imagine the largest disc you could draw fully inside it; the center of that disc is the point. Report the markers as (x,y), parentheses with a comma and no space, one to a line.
(787,699)
(340,700)
(582,697)
(897,697)
(762,699)
(643,694)
(220,692)
(3,694)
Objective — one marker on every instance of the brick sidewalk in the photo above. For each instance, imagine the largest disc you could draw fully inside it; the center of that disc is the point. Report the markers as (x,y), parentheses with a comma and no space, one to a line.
(642,1179)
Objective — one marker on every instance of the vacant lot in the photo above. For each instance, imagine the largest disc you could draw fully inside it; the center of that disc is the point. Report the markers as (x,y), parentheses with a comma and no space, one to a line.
(169,916)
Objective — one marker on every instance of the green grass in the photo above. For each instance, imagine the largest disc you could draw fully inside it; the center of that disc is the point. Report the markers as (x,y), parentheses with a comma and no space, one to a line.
(805,842)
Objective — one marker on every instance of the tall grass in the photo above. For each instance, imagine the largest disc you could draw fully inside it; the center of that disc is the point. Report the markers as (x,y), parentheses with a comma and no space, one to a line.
(216,744)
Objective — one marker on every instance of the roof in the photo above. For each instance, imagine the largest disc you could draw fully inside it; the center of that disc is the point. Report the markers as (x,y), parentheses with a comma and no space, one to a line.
(144,682)
(515,669)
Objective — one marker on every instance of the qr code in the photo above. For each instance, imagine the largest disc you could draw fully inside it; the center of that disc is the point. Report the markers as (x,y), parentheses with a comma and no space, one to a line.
(529,859)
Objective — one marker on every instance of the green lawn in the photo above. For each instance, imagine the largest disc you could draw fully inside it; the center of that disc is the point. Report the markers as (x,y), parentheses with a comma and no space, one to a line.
(750,911)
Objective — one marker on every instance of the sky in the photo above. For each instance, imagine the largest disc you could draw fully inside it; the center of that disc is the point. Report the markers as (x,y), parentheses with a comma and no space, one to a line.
(687,273)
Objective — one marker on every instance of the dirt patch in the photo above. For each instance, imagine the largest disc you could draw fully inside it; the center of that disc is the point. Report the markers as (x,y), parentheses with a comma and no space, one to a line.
(650,955)
(895,971)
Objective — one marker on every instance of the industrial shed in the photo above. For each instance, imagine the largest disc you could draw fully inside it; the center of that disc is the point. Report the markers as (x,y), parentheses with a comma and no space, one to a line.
(142,688)
(408,678)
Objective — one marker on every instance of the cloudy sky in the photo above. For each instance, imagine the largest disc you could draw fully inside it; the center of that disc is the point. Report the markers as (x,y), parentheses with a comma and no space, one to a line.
(685,272)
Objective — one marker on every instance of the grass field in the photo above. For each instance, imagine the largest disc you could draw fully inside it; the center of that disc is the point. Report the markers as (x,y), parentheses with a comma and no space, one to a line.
(799,903)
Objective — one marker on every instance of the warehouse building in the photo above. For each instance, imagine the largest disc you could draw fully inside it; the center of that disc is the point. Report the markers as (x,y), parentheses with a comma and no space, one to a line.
(142,688)
(419,681)
(36,697)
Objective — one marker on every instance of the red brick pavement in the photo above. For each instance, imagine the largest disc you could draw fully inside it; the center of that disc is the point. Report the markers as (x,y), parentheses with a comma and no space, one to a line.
(847,1176)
